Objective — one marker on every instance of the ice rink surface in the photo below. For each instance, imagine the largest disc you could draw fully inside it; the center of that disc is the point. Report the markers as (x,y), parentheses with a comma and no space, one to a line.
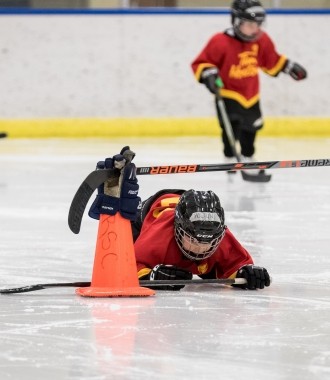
(201,332)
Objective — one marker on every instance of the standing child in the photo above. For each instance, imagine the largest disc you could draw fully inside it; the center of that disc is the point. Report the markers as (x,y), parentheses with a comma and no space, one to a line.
(229,67)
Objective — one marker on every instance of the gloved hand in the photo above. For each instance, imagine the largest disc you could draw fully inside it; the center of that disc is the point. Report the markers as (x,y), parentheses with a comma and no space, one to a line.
(171,273)
(210,77)
(256,277)
(120,191)
(296,71)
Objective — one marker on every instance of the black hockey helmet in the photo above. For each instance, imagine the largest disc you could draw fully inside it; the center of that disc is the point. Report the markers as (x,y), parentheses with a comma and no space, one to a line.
(199,220)
(246,10)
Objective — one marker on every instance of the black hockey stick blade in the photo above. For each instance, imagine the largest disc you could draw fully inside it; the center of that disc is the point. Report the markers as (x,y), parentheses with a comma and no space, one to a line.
(32,288)
(259,177)
(82,196)
(144,283)
(3,134)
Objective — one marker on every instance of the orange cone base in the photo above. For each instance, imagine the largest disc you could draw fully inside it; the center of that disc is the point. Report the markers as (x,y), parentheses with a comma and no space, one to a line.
(115,292)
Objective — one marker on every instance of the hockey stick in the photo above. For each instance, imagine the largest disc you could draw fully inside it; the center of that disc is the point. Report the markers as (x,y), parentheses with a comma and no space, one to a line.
(261,176)
(3,134)
(97,177)
(82,196)
(144,283)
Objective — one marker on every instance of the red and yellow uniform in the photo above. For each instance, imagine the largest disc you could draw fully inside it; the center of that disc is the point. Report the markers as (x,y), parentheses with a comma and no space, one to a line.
(238,63)
(156,245)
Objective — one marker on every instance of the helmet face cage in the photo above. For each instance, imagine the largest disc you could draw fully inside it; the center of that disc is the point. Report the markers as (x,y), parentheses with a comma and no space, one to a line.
(180,234)
(247,10)
(199,220)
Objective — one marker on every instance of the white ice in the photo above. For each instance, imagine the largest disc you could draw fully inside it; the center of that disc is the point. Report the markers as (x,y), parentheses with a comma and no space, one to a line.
(201,332)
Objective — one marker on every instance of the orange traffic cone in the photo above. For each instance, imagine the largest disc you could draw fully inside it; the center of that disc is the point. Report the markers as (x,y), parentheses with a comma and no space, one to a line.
(115,271)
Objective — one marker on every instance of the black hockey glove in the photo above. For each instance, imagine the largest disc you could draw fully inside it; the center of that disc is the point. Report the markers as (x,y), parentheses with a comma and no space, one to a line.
(169,273)
(256,277)
(296,71)
(210,77)
(120,191)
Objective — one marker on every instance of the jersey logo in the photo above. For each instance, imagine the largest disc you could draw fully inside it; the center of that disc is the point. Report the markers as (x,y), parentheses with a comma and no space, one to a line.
(247,66)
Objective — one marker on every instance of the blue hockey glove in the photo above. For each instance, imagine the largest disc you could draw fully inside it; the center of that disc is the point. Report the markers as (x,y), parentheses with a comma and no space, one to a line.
(170,273)
(120,191)
(256,277)
(210,77)
(296,71)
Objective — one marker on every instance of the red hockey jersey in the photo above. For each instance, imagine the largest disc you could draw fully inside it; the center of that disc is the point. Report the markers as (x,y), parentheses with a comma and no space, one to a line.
(156,245)
(238,64)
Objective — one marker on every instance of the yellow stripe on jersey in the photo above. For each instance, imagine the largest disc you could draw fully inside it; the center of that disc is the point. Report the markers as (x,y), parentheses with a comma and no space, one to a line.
(233,276)
(144,272)
(200,68)
(246,103)
(202,268)
(277,68)
(166,204)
